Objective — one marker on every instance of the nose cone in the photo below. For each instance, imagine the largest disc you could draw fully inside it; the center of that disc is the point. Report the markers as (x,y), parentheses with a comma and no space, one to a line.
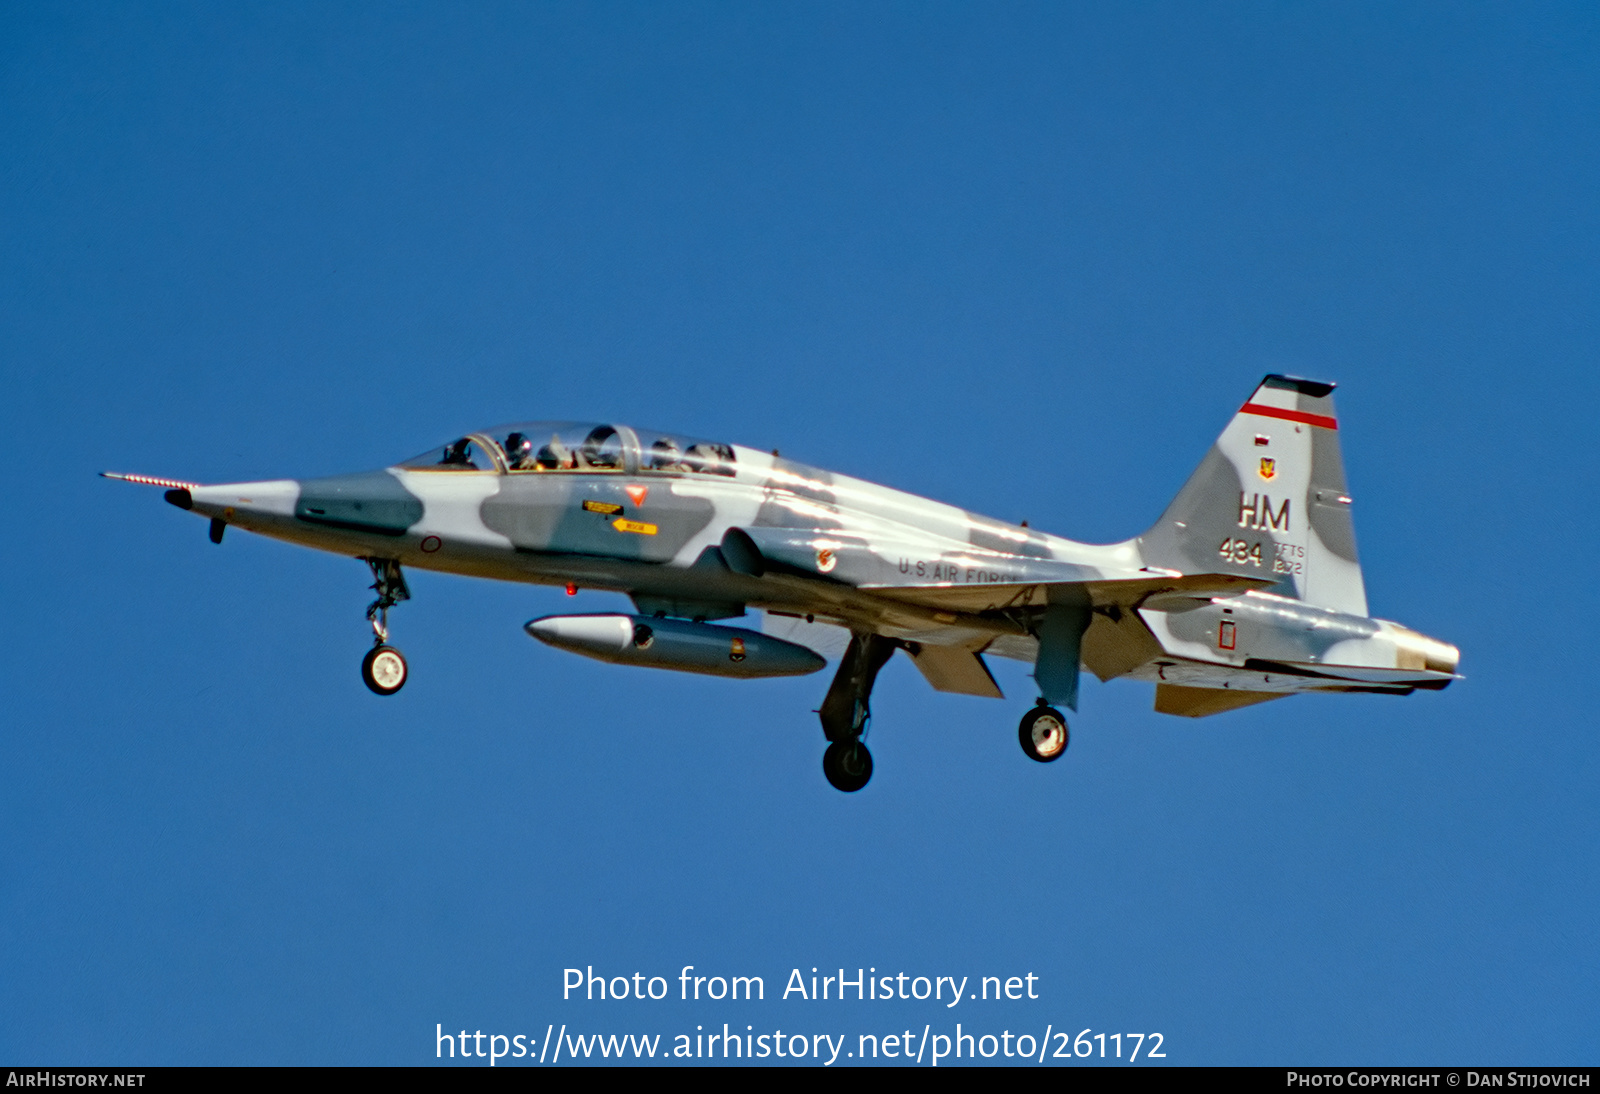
(239,502)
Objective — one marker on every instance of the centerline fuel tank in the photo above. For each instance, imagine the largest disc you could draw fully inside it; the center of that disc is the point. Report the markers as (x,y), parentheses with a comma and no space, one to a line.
(675,644)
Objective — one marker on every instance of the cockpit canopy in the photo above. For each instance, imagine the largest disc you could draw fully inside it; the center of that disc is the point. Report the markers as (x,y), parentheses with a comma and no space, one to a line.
(586,447)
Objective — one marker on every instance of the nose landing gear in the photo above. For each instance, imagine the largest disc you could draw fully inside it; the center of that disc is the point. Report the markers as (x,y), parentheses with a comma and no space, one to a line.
(383,669)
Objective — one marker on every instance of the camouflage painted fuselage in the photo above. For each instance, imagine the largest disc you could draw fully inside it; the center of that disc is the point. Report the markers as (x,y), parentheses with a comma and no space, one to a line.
(1247,589)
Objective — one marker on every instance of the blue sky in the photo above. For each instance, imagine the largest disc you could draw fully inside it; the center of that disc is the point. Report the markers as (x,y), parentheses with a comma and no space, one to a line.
(1024,260)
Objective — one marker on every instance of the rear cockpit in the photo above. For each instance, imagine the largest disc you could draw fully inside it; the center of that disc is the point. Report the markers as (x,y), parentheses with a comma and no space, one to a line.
(577,447)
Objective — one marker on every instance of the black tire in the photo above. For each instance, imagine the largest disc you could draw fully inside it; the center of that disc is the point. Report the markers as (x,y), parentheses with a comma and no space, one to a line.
(383,670)
(848,765)
(1043,734)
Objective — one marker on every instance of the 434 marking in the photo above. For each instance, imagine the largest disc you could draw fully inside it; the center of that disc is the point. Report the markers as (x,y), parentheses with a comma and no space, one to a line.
(1240,552)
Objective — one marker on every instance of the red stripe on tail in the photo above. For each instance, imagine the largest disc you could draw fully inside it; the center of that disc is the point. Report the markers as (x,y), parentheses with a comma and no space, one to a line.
(1289,415)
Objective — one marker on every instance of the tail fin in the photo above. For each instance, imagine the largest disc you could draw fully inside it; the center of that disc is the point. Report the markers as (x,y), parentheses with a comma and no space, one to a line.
(1269,500)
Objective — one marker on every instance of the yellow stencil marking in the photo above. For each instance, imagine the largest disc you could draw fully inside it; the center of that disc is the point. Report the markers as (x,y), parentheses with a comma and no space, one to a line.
(635,527)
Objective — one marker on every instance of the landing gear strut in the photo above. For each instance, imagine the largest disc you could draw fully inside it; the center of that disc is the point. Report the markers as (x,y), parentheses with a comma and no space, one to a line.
(845,711)
(384,668)
(1043,733)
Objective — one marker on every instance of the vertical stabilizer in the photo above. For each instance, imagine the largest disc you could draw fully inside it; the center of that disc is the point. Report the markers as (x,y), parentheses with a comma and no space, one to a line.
(1269,500)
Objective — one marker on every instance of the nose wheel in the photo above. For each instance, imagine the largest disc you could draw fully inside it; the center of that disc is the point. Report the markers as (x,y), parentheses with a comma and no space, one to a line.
(1043,733)
(383,669)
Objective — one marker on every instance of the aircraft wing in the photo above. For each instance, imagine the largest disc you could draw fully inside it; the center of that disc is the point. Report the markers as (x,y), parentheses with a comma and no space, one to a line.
(938,604)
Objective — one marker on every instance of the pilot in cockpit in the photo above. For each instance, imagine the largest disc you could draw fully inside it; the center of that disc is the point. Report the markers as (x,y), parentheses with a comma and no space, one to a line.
(664,455)
(458,454)
(555,456)
(519,452)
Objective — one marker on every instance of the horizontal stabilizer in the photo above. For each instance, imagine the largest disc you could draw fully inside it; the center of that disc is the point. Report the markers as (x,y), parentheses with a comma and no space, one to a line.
(1202,702)
(953,669)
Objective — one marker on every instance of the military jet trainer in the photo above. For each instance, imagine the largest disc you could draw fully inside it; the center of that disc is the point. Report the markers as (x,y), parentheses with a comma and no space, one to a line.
(1246,590)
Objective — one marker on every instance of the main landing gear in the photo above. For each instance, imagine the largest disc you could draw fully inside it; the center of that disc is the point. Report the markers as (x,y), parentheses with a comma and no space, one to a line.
(1043,733)
(845,712)
(1056,669)
(383,669)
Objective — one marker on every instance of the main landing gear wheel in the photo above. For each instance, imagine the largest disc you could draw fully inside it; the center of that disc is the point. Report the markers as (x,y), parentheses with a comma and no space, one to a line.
(848,765)
(1043,734)
(845,713)
(384,670)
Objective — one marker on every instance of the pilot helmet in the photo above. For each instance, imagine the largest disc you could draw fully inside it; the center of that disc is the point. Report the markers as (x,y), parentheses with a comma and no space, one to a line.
(518,447)
(664,454)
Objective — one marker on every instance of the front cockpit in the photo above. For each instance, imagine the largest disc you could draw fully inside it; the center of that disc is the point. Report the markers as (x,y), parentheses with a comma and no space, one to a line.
(577,447)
